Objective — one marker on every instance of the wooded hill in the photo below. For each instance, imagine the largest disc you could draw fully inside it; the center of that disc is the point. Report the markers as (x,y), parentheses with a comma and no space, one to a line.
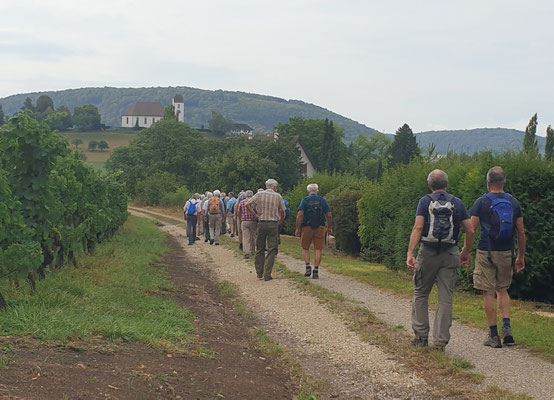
(262,113)
(497,140)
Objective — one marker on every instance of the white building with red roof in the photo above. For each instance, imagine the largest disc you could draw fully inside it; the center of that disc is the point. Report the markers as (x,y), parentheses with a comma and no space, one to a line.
(144,113)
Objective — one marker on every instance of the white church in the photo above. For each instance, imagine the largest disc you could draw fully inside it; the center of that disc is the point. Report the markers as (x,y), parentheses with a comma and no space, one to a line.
(145,113)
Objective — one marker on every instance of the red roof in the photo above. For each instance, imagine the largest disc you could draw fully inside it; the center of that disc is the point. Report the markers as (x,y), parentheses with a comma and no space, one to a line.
(146,109)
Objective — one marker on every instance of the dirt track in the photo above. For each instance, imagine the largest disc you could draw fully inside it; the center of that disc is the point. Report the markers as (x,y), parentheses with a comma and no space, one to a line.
(509,368)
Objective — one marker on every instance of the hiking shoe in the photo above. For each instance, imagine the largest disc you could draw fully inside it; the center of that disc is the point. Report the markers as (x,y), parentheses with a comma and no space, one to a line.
(315,274)
(308,272)
(420,342)
(247,255)
(439,346)
(268,278)
(507,338)
(205,240)
(212,241)
(217,244)
(196,238)
(493,341)
(232,235)
(260,278)
(240,246)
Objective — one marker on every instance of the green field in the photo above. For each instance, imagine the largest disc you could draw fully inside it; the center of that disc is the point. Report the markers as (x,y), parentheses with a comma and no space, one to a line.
(115,139)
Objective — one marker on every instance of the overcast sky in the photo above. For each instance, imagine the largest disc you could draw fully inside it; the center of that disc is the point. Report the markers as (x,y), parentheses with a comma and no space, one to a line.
(434,64)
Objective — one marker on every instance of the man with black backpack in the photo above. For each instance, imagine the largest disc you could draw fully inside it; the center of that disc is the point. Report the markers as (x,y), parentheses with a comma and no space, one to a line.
(500,217)
(437,226)
(310,226)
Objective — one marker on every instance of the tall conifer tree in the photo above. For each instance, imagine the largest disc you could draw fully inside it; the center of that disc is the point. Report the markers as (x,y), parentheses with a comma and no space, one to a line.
(549,146)
(404,147)
(530,145)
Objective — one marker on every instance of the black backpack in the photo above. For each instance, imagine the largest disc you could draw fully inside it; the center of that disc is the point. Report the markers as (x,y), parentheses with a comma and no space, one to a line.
(313,213)
(441,219)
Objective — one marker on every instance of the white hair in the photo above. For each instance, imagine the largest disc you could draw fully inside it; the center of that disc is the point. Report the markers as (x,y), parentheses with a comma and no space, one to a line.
(271,183)
(312,187)
(210,194)
(249,193)
(217,193)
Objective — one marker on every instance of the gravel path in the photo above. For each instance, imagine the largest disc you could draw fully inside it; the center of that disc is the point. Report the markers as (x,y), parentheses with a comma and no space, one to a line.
(300,316)
(509,367)
(322,344)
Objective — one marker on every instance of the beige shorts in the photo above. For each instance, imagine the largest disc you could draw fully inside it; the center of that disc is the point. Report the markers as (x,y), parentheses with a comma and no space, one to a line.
(495,276)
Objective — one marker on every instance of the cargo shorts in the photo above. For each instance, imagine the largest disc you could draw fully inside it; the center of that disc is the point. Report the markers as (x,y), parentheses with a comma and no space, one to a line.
(315,235)
(495,276)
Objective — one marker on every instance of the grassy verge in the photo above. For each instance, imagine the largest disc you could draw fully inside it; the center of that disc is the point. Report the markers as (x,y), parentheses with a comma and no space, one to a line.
(534,331)
(112,294)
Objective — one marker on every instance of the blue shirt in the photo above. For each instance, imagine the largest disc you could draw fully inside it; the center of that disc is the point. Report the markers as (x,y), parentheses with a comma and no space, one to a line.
(231,204)
(481,209)
(460,213)
(324,204)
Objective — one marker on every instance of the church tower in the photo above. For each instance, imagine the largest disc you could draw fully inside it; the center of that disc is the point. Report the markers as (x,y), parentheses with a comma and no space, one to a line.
(179,105)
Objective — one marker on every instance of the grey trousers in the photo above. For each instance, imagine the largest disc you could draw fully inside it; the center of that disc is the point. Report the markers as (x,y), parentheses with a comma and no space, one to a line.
(268,231)
(191,227)
(249,237)
(215,227)
(440,268)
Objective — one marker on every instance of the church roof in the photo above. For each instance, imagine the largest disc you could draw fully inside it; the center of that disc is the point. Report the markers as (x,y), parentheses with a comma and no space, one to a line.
(178,98)
(146,109)
(241,127)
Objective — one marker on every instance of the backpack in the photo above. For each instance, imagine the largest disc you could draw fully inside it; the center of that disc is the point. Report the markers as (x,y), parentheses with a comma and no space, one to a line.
(313,213)
(192,208)
(287,208)
(215,207)
(441,221)
(502,215)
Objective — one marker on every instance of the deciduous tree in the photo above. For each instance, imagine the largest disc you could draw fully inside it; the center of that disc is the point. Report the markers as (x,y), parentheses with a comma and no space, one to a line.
(2,116)
(103,145)
(219,124)
(87,118)
(169,114)
(77,142)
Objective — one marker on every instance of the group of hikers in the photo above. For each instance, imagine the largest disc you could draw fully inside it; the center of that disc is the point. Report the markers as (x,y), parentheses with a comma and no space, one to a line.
(257,221)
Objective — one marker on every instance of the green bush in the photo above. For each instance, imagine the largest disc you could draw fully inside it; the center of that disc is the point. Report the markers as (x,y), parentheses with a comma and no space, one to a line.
(326,183)
(152,189)
(177,199)
(345,219)
(387,211)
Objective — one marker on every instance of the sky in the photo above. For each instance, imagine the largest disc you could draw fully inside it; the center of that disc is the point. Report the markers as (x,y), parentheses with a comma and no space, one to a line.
(434,64)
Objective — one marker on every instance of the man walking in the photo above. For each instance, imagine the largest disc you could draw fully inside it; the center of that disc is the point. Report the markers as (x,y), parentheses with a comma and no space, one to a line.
(248,225)
(192,208)
(310,226)
(500,217)
(216,211)
(230,217)
(437,225)
(205,215)
(268,207)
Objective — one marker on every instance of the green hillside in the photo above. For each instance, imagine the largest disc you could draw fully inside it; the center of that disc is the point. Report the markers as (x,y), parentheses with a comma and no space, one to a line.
(262,113)
(497,140)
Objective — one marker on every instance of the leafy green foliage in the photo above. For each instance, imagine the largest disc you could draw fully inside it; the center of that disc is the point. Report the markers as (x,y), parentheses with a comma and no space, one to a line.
(47,211)
(323,139)
(344,207)
(386,212)
(219,124)
(169,113)
(367,155)
(86,118)
(2,116)
(152,189)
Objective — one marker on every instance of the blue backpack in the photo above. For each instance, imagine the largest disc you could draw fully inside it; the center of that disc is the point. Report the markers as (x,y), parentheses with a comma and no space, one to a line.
(502,216)
(192,208)
(287,208)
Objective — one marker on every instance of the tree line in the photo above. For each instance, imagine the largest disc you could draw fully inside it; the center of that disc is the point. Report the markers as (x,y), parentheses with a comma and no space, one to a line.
(84,118)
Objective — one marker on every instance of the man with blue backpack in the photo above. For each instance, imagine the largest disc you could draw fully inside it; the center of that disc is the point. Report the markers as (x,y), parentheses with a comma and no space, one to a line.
(192,209)
(500,217)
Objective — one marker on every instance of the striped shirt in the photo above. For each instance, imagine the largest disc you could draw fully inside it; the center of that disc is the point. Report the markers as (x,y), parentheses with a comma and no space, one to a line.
(243,212)
(268,205)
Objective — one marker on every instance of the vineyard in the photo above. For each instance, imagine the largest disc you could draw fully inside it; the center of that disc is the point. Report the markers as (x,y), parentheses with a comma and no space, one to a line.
(52,205)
